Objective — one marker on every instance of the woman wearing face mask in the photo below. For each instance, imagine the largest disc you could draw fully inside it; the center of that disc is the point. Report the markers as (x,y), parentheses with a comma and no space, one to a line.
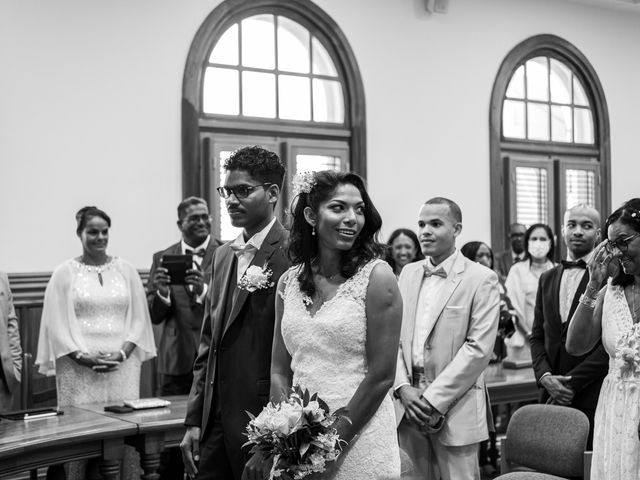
(522,285)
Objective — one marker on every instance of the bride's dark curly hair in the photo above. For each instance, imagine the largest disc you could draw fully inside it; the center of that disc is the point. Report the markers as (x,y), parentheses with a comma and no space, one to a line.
(303,246)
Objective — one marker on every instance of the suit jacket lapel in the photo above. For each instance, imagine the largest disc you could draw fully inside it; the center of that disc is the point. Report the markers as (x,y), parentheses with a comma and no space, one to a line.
(208,254)
(451,283)
(222,274)
(554,294)
(409,319)
(260,259)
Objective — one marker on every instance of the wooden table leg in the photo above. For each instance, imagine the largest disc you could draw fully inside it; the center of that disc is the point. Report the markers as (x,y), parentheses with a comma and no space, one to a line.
(150,462)
(112,454)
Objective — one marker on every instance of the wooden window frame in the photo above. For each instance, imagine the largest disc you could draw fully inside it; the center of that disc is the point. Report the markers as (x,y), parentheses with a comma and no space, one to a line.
(320,25)
(554,46)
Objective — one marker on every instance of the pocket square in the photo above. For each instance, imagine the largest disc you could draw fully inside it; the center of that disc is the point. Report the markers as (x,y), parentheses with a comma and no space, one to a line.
(454,307)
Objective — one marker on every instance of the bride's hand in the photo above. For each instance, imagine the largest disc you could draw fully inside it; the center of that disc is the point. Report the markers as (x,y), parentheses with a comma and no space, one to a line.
(599,264)
(257,468)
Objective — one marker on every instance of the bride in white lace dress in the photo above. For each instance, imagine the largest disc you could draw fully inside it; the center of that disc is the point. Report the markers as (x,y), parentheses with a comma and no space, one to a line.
(338,320)
(613,314)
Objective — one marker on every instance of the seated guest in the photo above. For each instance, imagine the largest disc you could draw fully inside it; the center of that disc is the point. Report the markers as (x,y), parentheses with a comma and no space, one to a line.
(481,253)
(10,350)
(179,309)
(515,254)
(402,248)
(95,330)
(565,379)
(522,286)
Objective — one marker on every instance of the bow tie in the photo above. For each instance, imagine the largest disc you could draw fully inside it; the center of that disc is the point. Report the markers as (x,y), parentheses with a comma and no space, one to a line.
(438,272)
(517,259)
(199,253)
(240,250)
(577,264)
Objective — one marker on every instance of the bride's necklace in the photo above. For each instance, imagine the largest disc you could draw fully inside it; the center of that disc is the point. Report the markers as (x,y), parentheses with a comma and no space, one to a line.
(97,268)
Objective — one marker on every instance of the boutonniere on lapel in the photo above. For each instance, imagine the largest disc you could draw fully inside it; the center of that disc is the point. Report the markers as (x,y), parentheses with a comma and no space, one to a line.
(256,278)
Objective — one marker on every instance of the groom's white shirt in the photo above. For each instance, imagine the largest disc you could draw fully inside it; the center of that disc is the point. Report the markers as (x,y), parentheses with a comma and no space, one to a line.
(459,339)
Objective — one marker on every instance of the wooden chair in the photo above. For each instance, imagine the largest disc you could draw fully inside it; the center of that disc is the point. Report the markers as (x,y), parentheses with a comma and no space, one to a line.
(545,442)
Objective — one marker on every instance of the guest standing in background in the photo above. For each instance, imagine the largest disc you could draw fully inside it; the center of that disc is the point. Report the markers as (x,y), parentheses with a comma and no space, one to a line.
(10,350)
(232,370)
(178,310)
(449,326)
(95,330)
(565,379)
(517,253)
(402,247)
(481,253)
(612,315)
(522,287)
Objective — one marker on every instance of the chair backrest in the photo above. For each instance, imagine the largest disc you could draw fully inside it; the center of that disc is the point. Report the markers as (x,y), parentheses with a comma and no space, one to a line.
(547,438)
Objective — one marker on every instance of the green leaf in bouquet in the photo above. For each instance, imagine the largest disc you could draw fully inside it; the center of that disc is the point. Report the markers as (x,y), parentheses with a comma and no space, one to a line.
(251,415)
(323,405)
(305,398)
(303,448)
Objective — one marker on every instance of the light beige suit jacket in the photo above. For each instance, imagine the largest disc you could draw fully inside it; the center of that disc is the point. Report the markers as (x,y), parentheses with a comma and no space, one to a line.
(10,350)
(460,339)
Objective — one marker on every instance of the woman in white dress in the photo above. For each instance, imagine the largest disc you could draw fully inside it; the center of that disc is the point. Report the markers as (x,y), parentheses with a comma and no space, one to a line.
(95,330)
(522,287)
(613,314)
(338,317)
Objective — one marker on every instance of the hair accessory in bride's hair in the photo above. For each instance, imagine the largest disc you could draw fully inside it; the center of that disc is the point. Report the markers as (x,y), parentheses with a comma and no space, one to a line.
(304,182)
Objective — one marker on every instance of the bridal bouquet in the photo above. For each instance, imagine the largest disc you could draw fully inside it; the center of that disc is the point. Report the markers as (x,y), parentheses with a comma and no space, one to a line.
(296,435)
(628,353)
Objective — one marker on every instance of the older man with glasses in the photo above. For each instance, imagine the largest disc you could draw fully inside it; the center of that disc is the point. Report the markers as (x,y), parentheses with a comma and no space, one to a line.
(178,309)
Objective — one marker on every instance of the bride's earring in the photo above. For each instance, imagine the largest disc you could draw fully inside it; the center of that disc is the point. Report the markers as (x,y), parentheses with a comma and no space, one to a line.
(313,231)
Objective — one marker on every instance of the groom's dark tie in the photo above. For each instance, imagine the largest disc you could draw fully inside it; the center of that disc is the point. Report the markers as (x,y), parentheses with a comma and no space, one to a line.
(577,264)
(199,253)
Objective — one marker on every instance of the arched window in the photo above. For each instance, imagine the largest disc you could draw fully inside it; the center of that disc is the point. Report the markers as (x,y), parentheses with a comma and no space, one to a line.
(277,73)
(549,136)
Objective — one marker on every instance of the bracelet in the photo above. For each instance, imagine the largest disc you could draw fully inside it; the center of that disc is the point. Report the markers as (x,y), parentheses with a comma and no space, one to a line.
(124,355)
(78,355)
(587,301)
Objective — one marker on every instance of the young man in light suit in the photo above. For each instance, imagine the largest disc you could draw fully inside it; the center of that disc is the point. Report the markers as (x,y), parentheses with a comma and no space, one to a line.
(449,326)
(10,350)
(232,370)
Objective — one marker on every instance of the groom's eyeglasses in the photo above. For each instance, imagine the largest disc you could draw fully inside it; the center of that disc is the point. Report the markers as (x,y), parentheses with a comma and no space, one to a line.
(240,191)
(622,244)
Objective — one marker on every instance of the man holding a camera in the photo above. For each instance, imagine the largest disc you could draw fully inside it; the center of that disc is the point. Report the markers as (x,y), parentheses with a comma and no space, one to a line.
(176,294)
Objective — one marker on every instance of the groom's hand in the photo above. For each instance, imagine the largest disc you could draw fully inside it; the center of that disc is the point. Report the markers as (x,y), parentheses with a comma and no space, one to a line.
(190,447)
(416,407)
(558,388)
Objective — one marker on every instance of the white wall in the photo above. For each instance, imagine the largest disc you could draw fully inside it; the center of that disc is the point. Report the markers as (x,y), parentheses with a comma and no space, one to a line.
(90,109)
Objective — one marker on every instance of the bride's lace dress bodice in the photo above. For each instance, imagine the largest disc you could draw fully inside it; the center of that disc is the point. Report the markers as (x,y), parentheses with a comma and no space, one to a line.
(328,357)
(616,448)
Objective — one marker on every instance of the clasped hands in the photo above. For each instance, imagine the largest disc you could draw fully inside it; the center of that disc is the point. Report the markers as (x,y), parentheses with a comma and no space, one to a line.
(557,387)
(100,362)
(418,410)
(161,280)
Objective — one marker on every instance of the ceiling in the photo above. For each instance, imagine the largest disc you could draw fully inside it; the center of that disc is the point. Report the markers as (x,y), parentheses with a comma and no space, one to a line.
(632,6)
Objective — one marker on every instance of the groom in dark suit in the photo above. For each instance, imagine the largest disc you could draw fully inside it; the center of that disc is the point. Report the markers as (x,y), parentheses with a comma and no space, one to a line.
(232,369)
(565,379)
